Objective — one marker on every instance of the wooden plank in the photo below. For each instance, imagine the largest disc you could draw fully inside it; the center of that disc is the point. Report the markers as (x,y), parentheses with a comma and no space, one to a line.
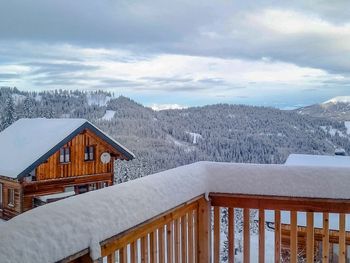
(293,236)
(277,236)
(141,230)
(123,255)
(195,226)
(153,247)
(325,238)
(281,203)
(261,236)
(133,252)
(246,235)
(161,246)
(204,231)
(111,258)
(231,235)
(177,240)
(216,234)
(190,237)
(144,249)
(184,239)
(310,237)
(342,245)
(169,242)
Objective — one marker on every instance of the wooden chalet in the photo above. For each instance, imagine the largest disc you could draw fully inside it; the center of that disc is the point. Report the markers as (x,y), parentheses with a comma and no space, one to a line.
(44,160)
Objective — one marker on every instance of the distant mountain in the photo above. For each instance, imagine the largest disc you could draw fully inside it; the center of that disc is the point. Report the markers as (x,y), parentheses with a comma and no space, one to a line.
(169,138)
(337,108)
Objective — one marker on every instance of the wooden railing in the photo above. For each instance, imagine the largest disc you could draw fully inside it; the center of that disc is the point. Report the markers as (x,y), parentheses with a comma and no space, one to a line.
(192,232)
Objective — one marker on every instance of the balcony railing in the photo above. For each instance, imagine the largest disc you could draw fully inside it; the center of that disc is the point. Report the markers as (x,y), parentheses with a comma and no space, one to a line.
(177,216)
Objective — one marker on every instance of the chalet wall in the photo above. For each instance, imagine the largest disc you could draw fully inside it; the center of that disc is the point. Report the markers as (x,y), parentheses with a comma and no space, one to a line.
(7,210)
(53,169)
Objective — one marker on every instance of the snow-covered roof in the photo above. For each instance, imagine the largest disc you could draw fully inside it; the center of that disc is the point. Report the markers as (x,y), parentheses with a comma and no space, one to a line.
(112,210)
(28,142)
(318,160)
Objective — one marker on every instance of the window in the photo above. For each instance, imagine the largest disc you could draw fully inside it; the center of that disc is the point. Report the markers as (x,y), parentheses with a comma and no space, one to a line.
(89,153)
(11,197)
(0,196)
(65,155)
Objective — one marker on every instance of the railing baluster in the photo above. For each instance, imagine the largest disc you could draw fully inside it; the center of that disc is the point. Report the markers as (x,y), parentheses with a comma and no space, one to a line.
(111,258)
(325,238)
(261,236)
(246,233)
(190,237)
(144,249)
(153,247)
(310,237)
(177,240)
(184,239)
(133,252)
(204,231)
(342,244)
(277,236)
(195,227)
(161,245)
(216,234)
(169,242)
(231,235)
(123,256)
(293,236)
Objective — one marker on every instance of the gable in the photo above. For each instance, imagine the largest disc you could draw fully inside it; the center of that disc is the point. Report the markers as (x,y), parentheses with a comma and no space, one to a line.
(30,142)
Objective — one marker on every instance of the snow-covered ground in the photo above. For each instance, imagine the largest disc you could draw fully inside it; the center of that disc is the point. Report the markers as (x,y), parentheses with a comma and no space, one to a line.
(159,107)
(98,99)
(108,115)
(195,137)
(339,99)
(332,131)
(347,125)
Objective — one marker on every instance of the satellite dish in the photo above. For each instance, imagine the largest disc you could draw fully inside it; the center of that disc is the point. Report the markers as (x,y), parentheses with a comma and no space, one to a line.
(105,158)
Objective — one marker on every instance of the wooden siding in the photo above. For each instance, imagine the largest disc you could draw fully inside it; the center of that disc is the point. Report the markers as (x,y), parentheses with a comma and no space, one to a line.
(9,211)
(53,169)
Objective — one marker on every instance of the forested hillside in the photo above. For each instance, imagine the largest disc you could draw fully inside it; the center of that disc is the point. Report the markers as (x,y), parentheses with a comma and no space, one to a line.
(169,138)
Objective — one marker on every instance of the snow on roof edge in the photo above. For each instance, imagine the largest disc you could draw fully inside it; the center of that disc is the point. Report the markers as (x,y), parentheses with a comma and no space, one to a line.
(112,210)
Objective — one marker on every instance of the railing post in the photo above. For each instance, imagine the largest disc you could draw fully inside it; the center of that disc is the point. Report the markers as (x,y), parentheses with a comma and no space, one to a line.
(204,231)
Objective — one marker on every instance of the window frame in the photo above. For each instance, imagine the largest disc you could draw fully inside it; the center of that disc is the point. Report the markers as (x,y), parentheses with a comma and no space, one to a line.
(10,197)
(65,155)
(89,153)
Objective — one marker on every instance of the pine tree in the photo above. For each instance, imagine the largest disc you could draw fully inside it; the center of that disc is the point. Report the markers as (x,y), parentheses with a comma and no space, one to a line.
(9,115)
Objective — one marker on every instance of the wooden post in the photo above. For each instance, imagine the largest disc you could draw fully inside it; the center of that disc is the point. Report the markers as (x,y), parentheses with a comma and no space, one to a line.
(325,238)
(216,234)
(246,235)
(277,236)
(203,233)
(342,244)
(169,238)
(310,237)
(261,236)
(184,239)
(231,235)
(190,237)
(293,236)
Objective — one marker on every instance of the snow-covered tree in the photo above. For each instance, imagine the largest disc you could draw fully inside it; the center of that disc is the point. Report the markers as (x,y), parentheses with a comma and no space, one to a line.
(9,114)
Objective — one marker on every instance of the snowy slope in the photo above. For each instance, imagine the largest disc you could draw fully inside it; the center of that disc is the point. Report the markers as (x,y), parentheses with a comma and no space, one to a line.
(108,115)
(110,211)
(339,99)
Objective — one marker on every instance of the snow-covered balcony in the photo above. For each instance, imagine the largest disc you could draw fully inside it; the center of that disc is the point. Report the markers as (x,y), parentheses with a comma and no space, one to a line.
(189,214)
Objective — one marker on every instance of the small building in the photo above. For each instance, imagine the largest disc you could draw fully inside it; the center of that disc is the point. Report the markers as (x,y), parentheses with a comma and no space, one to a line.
(44,160)
(318,160)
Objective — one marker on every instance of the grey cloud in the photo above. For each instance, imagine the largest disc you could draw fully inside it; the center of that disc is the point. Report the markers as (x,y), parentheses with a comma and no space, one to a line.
(204,28)
(9,76)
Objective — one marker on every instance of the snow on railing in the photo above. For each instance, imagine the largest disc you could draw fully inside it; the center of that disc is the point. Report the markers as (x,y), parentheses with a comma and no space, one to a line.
(58,230)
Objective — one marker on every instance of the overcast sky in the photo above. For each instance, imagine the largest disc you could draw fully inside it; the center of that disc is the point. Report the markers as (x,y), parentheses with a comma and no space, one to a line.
(277,53)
